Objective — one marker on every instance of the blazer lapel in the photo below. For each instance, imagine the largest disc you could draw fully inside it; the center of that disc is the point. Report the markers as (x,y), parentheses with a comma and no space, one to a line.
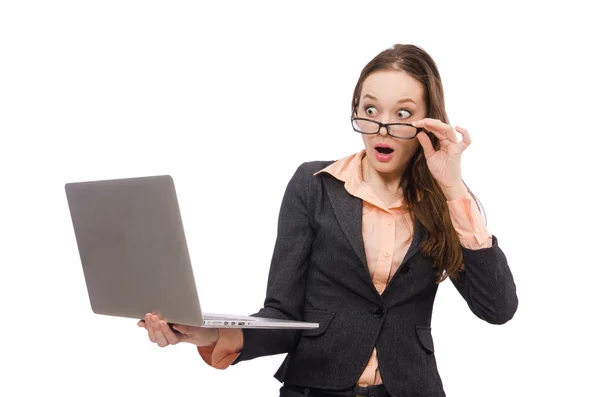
(418,236)
(348,211)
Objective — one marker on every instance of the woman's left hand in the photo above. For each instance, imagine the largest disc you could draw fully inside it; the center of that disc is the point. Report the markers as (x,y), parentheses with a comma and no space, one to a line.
(444,164)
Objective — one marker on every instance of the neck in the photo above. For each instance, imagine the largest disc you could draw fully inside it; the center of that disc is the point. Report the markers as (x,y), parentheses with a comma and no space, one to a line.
(388,181)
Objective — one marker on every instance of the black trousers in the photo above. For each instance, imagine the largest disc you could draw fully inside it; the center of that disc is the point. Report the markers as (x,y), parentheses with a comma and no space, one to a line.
(297,391)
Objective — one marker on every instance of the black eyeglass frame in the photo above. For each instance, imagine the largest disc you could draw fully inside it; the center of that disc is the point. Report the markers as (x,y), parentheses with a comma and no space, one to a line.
(386,126)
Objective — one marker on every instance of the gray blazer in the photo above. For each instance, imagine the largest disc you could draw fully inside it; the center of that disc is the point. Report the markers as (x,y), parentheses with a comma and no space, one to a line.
(319,274)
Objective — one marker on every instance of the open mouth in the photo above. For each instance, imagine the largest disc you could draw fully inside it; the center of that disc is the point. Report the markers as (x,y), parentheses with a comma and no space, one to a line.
(384,150)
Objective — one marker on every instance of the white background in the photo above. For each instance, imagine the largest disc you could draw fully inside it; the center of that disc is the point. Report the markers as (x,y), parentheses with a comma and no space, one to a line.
(229,98)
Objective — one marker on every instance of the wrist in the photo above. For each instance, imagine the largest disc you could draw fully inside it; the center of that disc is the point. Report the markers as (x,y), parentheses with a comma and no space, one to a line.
(208,337)
(214,337)
(455,192)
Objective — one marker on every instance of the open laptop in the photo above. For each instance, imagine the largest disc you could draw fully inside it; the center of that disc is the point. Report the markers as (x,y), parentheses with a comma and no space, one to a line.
(134,254)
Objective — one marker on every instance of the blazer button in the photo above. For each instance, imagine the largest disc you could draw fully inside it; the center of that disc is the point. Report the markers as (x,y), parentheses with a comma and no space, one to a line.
(378,312)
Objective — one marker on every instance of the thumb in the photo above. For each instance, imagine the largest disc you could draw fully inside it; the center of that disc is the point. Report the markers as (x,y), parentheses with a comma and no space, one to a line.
(184,338)
(183,329)
(182,333)
(425,142)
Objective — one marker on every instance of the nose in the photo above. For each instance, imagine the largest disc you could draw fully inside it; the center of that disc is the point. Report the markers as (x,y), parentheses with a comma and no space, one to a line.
(383,131)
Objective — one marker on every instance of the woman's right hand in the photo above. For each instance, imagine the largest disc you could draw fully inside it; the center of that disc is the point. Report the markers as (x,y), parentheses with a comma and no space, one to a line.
(160,332)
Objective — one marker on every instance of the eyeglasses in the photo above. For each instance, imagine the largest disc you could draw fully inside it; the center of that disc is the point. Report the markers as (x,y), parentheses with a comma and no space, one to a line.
(396,130)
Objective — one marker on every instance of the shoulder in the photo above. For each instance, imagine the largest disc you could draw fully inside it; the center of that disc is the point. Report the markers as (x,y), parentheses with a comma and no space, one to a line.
(341,169)
(308,173)
(304,180)
(310,168)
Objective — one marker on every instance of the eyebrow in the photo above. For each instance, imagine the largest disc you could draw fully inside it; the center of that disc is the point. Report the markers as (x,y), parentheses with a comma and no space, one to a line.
(403,100)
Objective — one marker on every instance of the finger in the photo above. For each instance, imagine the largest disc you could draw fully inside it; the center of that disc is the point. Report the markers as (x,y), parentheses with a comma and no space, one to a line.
(446,129)
(428,148)
(151,334)
(141,324)
(168,333)
(466,137)
(148,325)
(148,320)
(161,340)
(436,124)
(419,123)
(440,135)
(155,321)
(440,129)
(154,329)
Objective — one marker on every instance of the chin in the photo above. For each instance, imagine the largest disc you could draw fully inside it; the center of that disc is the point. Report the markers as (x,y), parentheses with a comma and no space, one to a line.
(387,168)
(390,167)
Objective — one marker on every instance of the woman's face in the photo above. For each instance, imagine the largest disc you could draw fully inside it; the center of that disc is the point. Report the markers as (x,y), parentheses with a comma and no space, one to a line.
(390,96)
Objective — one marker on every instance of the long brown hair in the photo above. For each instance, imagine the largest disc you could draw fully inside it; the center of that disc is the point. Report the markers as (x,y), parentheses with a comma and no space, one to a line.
(422,194)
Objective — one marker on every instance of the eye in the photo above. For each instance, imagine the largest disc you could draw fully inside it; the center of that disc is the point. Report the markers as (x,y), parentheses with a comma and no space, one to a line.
(370,110)
(404,114)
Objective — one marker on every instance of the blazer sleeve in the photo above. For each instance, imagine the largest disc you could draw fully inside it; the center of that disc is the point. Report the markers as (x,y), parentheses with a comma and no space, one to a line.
(487,284)
(287,275)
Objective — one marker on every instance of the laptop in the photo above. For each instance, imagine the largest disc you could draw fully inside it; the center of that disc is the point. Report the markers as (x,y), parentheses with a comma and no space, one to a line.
(134,254)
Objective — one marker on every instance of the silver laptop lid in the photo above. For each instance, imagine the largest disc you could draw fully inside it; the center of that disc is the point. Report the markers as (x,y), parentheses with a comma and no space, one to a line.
(133,249)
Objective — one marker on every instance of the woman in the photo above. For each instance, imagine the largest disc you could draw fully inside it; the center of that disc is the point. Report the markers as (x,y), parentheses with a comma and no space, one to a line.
(362,245)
